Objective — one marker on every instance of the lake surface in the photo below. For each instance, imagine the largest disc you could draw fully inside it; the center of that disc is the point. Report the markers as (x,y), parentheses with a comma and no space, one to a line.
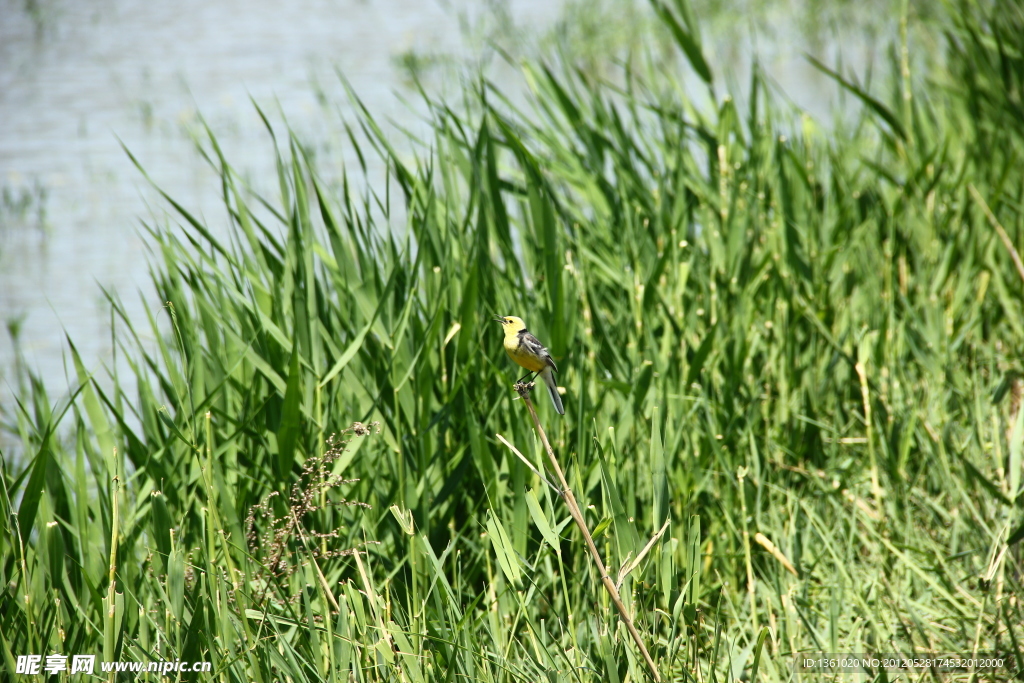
(79,79)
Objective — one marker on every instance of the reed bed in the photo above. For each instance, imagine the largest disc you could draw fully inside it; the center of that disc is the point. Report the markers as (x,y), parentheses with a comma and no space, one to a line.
(799,347)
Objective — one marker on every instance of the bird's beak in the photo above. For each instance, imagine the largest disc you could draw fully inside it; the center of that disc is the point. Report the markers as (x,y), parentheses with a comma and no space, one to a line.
(499,319)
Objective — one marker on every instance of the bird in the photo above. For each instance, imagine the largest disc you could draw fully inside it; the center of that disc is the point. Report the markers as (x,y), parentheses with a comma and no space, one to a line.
(528,352)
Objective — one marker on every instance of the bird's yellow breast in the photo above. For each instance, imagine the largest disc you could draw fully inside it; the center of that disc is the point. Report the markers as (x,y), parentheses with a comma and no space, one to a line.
(521,355)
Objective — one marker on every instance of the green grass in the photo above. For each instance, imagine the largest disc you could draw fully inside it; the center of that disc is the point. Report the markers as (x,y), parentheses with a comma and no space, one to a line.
(765,330)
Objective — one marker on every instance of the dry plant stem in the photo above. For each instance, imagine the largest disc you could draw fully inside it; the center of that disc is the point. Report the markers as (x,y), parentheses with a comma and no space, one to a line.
(999,229)
(577,516)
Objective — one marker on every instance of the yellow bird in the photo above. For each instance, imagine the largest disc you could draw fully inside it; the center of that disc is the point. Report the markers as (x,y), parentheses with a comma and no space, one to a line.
(527,351)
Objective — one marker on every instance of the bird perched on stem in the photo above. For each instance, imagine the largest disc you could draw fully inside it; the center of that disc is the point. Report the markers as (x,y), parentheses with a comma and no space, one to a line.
(528,352)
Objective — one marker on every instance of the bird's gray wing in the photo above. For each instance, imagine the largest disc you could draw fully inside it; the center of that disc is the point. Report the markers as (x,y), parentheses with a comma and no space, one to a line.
(533,345)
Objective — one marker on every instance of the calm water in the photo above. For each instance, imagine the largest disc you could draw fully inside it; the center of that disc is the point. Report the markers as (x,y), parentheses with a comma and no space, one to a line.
(82,75)
(76,77)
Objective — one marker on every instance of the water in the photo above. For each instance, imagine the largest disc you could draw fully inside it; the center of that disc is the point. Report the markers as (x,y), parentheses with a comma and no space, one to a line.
(78,79)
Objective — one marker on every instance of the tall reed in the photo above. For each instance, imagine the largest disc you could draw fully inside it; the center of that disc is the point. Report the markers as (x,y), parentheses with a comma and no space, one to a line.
(800,348)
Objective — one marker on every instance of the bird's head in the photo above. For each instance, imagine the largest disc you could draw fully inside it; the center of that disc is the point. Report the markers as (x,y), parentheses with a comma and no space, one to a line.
(511,322)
